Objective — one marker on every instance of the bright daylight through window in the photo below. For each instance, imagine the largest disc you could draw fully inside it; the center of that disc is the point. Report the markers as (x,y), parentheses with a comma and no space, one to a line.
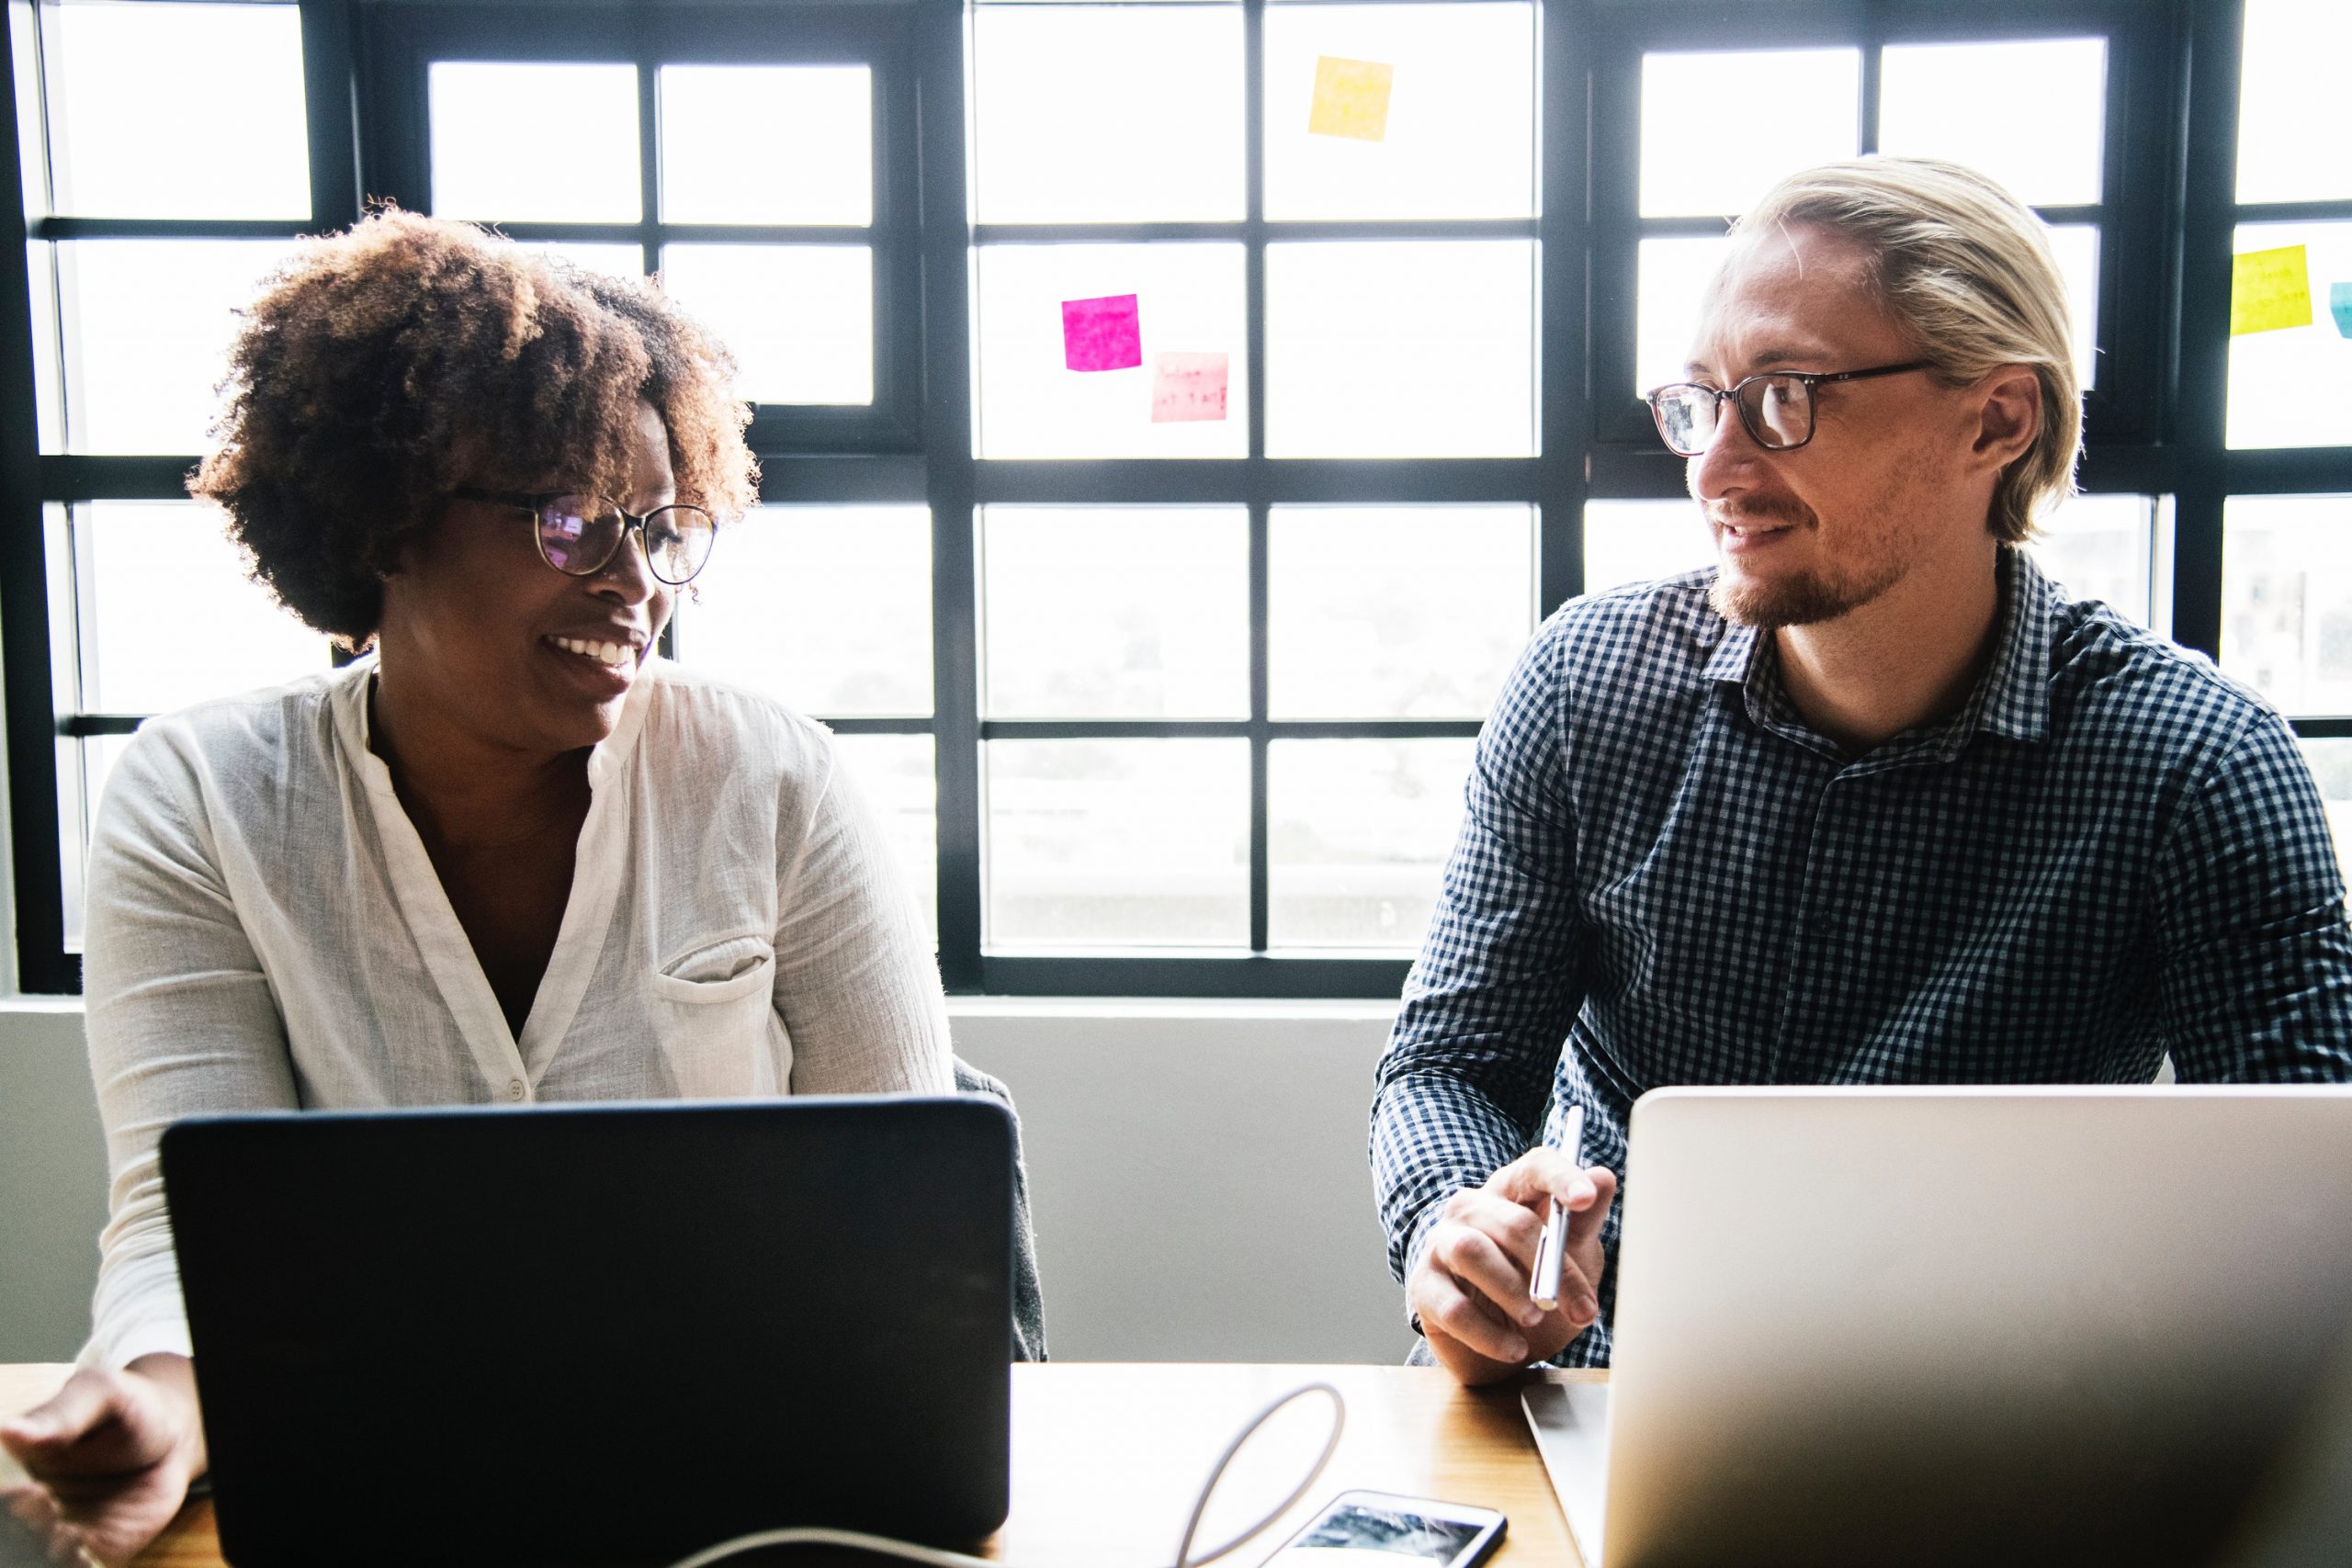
(1164,465)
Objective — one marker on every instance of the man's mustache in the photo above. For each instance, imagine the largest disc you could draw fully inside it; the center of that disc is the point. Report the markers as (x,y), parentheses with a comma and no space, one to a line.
(1763,509)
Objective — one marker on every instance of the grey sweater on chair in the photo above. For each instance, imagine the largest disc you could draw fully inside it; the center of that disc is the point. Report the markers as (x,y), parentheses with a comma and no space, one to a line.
(1028,1301)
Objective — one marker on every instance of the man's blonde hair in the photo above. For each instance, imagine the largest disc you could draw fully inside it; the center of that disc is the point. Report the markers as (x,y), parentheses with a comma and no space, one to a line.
(1966,270)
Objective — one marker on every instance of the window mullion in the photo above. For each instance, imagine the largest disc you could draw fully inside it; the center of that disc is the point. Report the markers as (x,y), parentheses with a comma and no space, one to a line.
(328,113)
(946,241)
(1260,890)
(2212,44)
(1253,315)
(34,823)
(1563,311)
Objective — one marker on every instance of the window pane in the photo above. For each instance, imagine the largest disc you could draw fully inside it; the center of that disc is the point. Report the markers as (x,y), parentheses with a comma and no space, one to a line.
(594,256)
(1397,612)
(799,319)
(168,615)
(1401,348)
(896,776)
(1694,165)
(1675,272)
(49,303)
(1126,612)
(1358,832)
(2286,599)
(2075,246)
(1673,279)
(148,324)
(1457,133)
(1188,303)
(1641,541)
(1932,104)
(767,144)
(176,110)
(2330,764)
(827,608)
(85,770)
(1117,843)
(534,142)
(1102,116)
(2291,115)
(2102,546)
(2286,386)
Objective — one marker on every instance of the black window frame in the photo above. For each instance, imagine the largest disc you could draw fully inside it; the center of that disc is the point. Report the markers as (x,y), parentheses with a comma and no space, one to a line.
(399,42)
(2155,422)
(963,483)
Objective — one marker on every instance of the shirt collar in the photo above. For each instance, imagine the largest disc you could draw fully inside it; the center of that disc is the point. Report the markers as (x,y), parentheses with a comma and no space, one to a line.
(1733,655)
(349,701)
(2011,699)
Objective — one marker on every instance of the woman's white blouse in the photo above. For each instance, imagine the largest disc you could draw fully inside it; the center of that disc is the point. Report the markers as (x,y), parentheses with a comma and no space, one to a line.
(265,932)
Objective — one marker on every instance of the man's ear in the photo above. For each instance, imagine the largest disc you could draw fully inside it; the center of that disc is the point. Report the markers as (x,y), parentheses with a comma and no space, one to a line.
(2008,404)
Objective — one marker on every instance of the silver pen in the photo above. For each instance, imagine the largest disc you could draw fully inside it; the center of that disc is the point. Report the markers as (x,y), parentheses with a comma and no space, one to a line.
(1552,1250)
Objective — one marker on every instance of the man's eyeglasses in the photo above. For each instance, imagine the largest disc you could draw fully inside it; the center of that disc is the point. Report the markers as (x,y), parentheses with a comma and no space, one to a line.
(1776,407)
(579,534)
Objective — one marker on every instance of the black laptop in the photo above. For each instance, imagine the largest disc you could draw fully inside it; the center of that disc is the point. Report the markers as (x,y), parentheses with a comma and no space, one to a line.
(592,1335)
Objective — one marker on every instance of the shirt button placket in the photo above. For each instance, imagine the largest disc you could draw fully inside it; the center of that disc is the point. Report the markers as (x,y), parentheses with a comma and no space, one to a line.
(1820,923)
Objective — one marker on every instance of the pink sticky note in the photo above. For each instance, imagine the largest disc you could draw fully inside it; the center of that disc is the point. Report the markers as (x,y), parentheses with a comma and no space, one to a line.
(1102,334)
(1187,386)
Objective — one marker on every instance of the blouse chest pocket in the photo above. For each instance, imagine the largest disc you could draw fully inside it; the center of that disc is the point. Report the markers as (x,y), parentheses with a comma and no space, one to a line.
(714,1013)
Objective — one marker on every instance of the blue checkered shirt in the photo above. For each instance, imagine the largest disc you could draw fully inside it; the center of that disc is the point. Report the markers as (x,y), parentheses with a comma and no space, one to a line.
(2109,853)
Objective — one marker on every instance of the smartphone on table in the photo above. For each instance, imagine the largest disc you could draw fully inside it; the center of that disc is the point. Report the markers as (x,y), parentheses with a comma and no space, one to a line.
(1379,1529)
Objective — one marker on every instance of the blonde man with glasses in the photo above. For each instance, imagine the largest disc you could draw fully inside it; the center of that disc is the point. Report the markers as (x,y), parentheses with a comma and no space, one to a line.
(1872,800)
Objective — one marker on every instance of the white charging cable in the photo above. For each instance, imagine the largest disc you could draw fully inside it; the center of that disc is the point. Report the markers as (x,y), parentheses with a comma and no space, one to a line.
(817,1535)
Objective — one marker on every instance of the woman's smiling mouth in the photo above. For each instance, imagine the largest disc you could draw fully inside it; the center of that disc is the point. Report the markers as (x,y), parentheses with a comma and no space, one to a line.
(613,653)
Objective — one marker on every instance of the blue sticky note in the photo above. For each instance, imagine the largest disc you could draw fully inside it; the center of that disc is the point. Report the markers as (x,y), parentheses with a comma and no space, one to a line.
(2339,305)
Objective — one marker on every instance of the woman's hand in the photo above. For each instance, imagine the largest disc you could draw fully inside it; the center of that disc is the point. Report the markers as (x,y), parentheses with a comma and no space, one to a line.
(113,1454)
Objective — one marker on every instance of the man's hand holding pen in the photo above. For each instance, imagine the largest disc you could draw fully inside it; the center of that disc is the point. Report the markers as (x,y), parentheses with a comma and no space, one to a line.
(1475,1288)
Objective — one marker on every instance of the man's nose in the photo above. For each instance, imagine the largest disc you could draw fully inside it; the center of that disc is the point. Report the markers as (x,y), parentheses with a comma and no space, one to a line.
(1720,466)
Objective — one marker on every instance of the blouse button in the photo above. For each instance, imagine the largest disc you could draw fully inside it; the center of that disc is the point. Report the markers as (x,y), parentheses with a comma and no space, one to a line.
(515,1090)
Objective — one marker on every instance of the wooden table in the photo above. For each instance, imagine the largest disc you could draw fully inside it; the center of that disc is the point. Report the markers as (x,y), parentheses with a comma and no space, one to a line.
(1106,1459)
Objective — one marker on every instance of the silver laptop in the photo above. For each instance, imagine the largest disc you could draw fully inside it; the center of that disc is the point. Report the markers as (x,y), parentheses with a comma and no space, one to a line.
(1956,1326)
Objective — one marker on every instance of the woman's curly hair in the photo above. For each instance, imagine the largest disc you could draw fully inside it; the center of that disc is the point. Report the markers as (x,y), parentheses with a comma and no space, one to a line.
(386,365)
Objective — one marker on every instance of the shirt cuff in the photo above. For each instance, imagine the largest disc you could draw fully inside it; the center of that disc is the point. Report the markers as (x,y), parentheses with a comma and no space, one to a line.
(1419,1244)
(128,1343)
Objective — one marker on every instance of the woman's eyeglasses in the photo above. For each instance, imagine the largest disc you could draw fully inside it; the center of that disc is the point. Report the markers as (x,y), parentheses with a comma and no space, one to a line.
(579,534)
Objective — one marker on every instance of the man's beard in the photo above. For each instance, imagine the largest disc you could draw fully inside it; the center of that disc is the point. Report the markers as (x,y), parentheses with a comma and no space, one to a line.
(1804,600)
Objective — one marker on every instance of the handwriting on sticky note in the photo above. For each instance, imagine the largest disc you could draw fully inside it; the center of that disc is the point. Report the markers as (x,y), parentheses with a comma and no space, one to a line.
(1105,333)
(2339,305)
(2271,289)
(1187,387)
(1350,98)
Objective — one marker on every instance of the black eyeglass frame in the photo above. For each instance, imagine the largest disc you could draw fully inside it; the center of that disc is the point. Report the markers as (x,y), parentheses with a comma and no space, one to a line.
(1750,417)
(535,502)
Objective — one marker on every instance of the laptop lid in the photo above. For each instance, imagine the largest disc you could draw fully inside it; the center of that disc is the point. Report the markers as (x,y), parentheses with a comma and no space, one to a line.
(1959,1325)
(597,1333)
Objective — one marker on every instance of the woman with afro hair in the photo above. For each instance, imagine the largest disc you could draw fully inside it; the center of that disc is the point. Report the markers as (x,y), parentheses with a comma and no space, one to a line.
(509,855)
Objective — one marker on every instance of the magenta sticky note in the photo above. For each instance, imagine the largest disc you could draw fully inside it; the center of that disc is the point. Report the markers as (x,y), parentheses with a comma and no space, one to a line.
(1187,387)
(1102,334)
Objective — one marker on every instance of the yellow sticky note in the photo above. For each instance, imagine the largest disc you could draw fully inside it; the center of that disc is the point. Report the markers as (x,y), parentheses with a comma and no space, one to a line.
(2271,289)
(1350,98)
